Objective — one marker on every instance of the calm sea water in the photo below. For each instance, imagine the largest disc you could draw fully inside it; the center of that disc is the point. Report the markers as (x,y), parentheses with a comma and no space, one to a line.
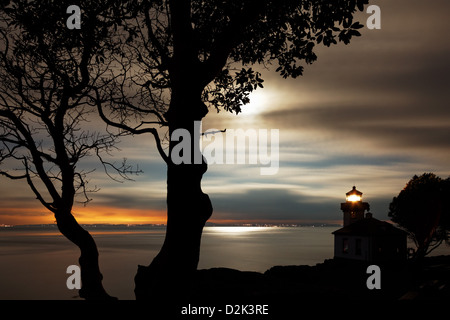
(33,263)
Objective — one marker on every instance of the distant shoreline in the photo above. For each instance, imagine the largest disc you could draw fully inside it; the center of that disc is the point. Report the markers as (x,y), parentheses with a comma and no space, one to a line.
(152,225)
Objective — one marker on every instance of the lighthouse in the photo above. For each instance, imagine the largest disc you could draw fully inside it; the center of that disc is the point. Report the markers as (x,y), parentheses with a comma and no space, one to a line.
(354,208)
(365,238)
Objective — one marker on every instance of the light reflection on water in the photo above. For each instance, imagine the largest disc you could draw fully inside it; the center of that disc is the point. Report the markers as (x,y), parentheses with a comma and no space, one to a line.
(33,264)
(235,229)
(260,248)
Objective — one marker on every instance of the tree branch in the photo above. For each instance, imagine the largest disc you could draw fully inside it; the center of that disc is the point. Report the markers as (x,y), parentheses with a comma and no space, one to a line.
(123,126)
(35,154)
(165,59)
(9,176)
(229,38)
(39,197)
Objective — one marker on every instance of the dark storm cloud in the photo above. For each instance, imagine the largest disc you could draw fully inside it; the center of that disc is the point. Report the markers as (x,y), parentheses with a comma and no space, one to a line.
(403,66)
(398,127)
(273,205)
(278,205)
(349,160)
(128,200)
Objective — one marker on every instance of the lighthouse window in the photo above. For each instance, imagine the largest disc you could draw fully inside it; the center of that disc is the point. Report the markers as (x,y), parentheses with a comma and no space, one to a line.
(345,245)
(358,247)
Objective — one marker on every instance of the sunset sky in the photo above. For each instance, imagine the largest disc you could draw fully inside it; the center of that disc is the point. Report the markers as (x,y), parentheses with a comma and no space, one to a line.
(370,114)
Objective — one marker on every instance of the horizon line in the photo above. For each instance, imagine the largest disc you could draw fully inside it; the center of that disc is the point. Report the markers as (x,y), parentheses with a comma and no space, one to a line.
(257,224)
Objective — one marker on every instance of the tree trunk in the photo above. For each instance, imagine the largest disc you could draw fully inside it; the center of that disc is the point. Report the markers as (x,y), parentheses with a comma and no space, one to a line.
(188,209)
(91,278)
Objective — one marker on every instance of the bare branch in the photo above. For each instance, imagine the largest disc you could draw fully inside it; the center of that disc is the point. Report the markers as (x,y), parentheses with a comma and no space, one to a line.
(12,177)
(153,131)
(131,130)
(213,132)
(49,206)
(36,155)
(162,53)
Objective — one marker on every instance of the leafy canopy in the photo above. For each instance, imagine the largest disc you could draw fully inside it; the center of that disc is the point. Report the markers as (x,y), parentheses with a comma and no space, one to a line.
(216,36)
(423,209)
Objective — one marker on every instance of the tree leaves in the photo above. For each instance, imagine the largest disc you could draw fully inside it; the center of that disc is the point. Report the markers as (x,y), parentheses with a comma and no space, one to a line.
(361,3)
(283,33)
(232,91)
(423,209)
(350,31)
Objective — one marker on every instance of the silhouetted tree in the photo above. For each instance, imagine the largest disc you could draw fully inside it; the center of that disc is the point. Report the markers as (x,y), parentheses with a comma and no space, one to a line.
(422,208)
(182,56)
(46,74)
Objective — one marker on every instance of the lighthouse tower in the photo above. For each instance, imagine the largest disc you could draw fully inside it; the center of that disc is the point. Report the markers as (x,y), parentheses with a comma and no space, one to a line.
(365,238)
(353,207)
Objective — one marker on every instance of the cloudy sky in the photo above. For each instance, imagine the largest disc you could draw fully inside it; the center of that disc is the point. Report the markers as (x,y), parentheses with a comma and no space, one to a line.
(370,114)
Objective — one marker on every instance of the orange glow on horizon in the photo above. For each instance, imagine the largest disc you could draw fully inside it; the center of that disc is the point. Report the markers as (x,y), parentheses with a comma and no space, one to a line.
(18,216)
(110,215)
(93,215)
(84,215)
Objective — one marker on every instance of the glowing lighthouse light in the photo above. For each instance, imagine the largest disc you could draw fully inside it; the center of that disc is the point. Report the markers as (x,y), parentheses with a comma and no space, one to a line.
(354,195)
(354,198)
